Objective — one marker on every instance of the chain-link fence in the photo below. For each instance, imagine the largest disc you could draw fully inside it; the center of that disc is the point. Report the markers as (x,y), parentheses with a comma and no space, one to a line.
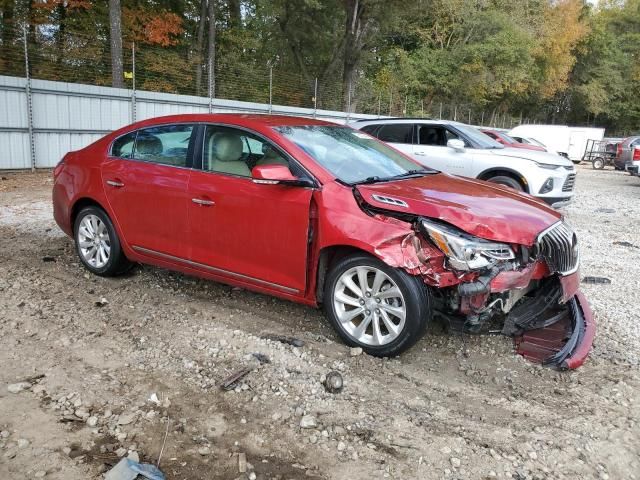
(52,54)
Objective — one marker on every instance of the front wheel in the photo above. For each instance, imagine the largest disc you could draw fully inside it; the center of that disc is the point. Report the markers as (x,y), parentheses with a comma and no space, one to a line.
(507,181)
(371,305)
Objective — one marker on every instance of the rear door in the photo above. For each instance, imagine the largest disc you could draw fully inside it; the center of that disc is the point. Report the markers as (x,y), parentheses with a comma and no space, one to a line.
(245,231)
(398,135)
(145,180)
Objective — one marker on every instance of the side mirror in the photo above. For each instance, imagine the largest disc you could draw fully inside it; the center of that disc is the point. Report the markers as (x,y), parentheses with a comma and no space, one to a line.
(456,144)
(277,175)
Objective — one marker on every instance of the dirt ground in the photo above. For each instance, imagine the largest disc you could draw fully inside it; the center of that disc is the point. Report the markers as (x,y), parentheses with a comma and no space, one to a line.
(87,354)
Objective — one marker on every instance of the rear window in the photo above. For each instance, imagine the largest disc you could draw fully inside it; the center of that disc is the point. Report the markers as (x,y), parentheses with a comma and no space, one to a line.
(123,146)
(396,133)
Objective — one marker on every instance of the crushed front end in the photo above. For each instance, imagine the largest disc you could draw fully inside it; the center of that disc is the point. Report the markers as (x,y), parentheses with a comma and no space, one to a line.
(528,292)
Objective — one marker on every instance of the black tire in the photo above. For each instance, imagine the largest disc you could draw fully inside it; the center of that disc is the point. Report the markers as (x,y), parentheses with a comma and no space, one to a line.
(416,296)
(598,163)
(507,181)
(117,262)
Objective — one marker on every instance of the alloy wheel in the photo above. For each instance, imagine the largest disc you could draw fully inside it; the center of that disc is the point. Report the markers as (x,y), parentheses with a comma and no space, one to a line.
(369,305)
(94,241)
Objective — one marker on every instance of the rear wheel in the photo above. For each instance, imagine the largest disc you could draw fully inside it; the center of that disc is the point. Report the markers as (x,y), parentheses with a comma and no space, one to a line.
(508,181)
(97,243)
(382,309)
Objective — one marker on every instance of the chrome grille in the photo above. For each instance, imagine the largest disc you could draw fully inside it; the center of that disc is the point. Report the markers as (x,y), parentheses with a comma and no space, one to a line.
(569,183)
(558,245)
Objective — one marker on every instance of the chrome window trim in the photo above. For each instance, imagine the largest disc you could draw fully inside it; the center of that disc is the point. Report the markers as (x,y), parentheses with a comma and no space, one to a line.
(214,269)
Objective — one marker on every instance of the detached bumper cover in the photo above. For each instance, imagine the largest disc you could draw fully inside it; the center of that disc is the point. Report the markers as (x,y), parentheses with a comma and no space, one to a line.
(566,343)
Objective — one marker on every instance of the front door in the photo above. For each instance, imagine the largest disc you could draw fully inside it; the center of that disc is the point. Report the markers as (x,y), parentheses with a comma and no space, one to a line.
(242,230)
(431,150)
(145,181)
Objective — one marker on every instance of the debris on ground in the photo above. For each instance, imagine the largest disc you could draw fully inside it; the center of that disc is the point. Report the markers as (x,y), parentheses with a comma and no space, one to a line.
(355,351)
(295,342)
(128,469)
(101,303)
(230,382)
(261,357)
(333,382)
(596,280)
(626,244)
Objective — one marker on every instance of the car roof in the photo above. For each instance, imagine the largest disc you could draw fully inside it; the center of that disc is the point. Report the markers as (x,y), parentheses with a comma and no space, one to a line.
(380,121)
(247,119)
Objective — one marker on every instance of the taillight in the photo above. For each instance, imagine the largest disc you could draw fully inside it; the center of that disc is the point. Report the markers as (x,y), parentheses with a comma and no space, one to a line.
(636,154)
(619,150)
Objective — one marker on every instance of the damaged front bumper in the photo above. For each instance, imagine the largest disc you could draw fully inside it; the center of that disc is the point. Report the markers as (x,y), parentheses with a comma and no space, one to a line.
(565,343)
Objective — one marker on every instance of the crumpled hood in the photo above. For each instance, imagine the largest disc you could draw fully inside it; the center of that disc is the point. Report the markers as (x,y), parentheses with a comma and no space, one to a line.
(535,155)
(483,209)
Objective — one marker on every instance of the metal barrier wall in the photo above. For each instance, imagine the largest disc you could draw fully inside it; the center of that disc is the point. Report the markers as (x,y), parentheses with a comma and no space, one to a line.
(41,120)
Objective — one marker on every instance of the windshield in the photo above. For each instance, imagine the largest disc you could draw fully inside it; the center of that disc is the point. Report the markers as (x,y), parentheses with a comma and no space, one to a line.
(508,138)
(477,137)
(352,156)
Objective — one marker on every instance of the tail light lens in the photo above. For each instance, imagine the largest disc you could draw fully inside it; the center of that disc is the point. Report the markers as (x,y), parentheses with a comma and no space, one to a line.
(636,154)
(619,150)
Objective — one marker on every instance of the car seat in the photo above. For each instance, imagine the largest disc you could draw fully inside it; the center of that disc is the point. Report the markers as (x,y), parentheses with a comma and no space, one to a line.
(224,155)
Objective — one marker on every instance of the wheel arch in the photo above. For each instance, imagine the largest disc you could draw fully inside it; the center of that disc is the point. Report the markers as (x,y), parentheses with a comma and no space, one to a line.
(505,171)
(328,256)
(81,203)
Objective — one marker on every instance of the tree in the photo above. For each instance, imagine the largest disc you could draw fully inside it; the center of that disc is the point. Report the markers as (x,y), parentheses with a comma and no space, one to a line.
(115,35)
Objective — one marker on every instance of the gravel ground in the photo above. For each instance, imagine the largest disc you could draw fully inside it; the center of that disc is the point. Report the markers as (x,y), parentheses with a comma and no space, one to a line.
(94,369)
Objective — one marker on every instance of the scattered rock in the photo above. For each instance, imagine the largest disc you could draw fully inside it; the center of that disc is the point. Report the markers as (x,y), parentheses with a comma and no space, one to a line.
(18,387)
(92,421)
(455,462)
(204,451)
(242,462)
(40,474)
(308,421)
(23,443)
(355,351)
(126,418)
(333,383)
(341,446)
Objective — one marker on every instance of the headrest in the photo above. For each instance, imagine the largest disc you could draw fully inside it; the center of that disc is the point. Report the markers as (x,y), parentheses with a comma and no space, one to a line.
(226,147)
(149,145)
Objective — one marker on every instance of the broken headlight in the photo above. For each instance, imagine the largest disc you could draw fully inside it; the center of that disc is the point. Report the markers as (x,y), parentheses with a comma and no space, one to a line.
(464,251)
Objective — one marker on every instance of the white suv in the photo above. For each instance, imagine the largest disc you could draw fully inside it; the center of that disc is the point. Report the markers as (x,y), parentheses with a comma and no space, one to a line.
(460,149)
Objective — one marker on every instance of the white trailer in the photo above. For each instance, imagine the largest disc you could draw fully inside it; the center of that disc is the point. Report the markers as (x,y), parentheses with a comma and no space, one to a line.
(570,142)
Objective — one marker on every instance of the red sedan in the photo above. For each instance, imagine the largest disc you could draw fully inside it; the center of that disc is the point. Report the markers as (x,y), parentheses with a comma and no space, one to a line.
(325,215)
(508,141)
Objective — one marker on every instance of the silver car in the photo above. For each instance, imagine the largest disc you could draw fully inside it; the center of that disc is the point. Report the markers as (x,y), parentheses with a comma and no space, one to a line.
(461,149)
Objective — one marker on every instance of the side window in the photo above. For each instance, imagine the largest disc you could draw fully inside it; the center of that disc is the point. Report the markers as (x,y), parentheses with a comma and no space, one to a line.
(370,129)
(449,135)
(492,135)
(167,145)
(123,146)
(396,133)
(432,135)
(236,152)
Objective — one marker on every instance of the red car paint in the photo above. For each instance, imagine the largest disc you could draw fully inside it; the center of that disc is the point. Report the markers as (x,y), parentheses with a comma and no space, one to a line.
(507,141)
(272,238)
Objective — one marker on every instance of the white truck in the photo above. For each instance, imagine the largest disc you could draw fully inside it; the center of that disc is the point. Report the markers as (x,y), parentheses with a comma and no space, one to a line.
(570,142)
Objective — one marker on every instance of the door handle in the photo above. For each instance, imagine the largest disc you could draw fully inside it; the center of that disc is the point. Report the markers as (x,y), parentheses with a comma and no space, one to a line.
(204,203)
(114,183)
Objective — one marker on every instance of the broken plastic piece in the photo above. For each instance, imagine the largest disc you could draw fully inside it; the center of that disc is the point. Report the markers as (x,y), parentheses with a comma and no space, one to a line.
(127,469)
(566,343)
